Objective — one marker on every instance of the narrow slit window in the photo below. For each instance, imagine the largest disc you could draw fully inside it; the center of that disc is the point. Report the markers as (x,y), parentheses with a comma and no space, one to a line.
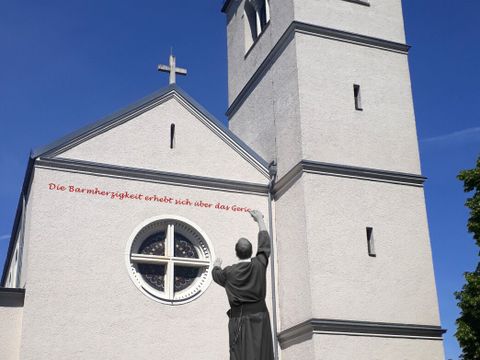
(172,136)
(358,97)
(370,242)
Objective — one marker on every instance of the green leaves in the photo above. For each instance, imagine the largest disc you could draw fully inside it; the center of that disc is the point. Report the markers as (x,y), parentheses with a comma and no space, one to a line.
(468,324)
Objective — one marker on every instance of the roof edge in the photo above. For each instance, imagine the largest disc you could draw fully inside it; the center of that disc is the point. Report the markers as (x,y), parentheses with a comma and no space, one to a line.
(12,297)
(225,130)
(44,150)
(118,116)
(18,216)
(225,5)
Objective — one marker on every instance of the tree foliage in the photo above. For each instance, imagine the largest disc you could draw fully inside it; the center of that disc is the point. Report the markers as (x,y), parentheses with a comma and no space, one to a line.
(468,324)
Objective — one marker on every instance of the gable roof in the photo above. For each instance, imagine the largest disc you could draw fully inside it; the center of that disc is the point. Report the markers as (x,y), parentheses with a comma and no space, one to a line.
(114,120)
(126,114)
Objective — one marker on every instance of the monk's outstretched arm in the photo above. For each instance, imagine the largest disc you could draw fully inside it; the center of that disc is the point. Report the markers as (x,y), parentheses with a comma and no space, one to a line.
(264,245)
(218,274)
(258,218)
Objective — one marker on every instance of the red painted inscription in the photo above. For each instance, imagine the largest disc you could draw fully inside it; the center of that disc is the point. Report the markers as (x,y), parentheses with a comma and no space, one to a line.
(159,198)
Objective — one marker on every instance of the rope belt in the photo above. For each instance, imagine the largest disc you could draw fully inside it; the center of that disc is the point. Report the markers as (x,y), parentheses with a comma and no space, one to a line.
(247,308)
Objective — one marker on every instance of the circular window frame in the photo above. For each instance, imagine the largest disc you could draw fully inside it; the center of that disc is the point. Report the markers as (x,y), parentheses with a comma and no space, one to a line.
(202,244)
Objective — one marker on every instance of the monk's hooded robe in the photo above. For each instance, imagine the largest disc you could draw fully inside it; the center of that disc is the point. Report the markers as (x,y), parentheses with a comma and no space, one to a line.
(250,335)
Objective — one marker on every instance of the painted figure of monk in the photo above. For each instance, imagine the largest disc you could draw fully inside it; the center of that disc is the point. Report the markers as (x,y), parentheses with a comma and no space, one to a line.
(249,330)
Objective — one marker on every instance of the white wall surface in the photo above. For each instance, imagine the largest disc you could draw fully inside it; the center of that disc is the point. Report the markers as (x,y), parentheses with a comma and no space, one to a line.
(10,329)
(303,108)
(286,109)
(304,350)
(268,120)
(341,347)
(382,19)
(383,135)
(144,142)
(240,65)
(295,290)
(254,122)
(397,285)
(81,302)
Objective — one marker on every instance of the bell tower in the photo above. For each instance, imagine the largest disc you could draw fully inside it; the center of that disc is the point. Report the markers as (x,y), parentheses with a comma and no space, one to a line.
(323,88)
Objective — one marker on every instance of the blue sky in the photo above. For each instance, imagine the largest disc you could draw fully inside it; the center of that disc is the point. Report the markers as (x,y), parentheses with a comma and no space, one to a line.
(65,64)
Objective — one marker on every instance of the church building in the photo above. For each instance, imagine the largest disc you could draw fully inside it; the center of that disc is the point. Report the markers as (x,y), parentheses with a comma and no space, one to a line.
(118,224)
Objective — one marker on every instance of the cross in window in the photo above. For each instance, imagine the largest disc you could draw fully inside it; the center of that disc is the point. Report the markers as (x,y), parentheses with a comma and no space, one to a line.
(170,261)
(172,69)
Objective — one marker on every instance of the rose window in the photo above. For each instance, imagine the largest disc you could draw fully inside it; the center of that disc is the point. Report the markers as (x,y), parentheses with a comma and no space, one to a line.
(169,260)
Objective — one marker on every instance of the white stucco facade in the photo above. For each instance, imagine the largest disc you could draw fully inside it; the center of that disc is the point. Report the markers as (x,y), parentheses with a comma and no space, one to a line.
(321,346)
(88,196)
(80,296)
(386,288)
(342,168)
(10,334)
(326,228)
(383,134)
(382,19)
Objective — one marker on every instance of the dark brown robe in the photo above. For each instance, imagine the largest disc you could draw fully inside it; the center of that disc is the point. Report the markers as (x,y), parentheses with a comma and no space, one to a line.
(245,283)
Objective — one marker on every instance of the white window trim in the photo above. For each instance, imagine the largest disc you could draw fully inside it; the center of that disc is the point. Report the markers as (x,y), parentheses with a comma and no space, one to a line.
(267,10)
(168,296)
(249,41)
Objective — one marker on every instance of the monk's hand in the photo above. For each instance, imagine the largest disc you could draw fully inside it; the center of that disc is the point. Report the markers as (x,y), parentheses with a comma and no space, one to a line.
(217,262)
(257,215)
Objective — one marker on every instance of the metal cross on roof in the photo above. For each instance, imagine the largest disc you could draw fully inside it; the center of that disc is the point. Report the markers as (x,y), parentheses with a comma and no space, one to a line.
(172,69)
